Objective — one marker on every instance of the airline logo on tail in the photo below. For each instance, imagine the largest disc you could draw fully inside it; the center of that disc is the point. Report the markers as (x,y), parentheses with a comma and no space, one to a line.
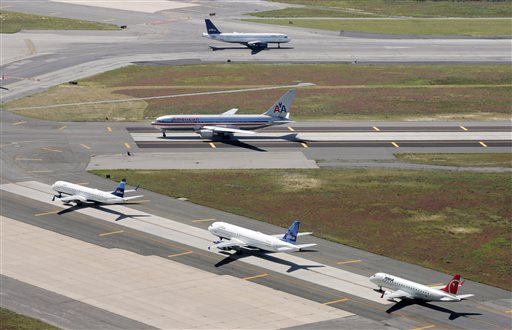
(280,107)
(453,285)
(120,188)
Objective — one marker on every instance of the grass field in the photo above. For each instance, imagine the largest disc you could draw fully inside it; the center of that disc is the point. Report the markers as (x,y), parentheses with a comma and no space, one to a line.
(388,212)
(393,8)
(461,160)
(13,321)
(403,27)
(342,92)
(12,22)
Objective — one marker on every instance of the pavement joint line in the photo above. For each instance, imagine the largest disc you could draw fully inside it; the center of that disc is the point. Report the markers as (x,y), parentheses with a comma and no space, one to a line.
(395,144)
(85,146)
(19,123)
(49,149)
(203,220)
(63,127)
(46,213)
(425,327)
(42,171)
(291,129)
(127,145)
(376,128)
(304,145)
(180,254)
(109,129)
(482,144)
(212,145)
(112,233)
(255,276)
(348,262)
(463,128)
(508,312)
(27,158)
(335,301)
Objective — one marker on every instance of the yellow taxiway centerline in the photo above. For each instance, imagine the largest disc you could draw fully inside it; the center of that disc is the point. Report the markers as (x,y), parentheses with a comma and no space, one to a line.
(335,301)
(291,129)
(483,144)
(112,233)
(27,158)
(19,123)
(436,284)
(46,213)
(255,276)
(109,129)
(54,150)
(395,144)
(42,171)
(85,146)
(463,128)
(304,145)
(425,327)
(179,254)
(348,262)
(61,128)
(376,128)
(203,220)
(212,145)
(127,145)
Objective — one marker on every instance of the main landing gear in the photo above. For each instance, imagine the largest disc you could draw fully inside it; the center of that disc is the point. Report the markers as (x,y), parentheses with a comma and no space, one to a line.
(163,134)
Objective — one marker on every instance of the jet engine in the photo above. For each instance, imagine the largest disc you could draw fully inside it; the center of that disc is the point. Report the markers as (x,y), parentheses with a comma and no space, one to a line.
(206,133)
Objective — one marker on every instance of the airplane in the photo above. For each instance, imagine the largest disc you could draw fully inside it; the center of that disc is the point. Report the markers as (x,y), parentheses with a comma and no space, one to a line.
(228,123)
(83,195)
(237,238)
(405,289)
(255,41)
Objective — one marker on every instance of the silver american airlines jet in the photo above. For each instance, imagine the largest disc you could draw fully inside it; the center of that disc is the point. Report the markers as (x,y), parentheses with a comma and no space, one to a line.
(255,41)
(228,123)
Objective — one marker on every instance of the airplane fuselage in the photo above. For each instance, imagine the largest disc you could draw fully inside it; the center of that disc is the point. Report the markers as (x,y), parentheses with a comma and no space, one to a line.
(196,122)
(416,290)
(247,38)
(90,194)
(251,238)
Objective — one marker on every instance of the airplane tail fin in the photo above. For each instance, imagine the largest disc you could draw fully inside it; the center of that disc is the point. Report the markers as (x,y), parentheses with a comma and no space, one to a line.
(280,109)
(453,285)
(120,188)
(211,28)
(291,234)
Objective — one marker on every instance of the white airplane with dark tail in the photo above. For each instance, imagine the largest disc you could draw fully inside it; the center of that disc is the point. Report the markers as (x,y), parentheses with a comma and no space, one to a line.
(235,238)
(228,123)
(255,41)
(405,289)
(75,193)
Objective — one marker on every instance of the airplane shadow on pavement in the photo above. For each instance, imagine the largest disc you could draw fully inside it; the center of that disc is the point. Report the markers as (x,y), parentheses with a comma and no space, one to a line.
(407,302)
(254,51)
(120,215)
(264,255)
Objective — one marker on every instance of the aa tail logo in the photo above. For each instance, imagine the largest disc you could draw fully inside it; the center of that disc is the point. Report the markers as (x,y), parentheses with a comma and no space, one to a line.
(280,108)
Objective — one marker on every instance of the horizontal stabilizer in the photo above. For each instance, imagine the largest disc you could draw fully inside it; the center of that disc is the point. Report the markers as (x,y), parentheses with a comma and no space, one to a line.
(230,112)
(227,130)
(132,197)
(305,246)
(465,296)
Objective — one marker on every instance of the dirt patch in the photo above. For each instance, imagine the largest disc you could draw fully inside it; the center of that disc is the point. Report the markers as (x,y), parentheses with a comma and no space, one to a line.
(299,182)
(463,230)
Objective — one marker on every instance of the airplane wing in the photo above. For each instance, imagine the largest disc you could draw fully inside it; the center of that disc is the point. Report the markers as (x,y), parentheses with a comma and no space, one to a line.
(256,44)
(230,244)
(227,130)
(398,294)
(74,198)
(229,112)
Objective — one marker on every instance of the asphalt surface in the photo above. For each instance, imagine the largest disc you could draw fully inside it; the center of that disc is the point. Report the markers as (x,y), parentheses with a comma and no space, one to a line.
(46,151)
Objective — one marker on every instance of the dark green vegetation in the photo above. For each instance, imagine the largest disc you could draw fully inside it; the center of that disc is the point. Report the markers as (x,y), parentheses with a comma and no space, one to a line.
(462,160)
(404,27)
(393,8)
(12,22)
(450,221)
(12,321)
(342,92)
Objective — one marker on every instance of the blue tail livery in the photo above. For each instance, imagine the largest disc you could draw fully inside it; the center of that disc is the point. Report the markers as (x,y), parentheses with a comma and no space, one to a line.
(120,188)
(291,234)
(211,28)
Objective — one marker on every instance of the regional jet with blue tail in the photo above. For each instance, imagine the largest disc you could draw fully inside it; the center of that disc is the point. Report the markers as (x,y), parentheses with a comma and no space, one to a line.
(255,41)
(233,237)
(75,193)
(228,123)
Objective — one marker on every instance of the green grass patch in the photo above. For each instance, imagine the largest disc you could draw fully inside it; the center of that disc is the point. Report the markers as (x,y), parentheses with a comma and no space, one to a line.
(12,22)
(13,321)
(403,27)
(342,92)
(462,160)
(410,8)
(388,212)
(310,12)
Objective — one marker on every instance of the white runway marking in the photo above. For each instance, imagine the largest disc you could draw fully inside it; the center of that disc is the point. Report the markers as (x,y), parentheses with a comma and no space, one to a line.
(292,265)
